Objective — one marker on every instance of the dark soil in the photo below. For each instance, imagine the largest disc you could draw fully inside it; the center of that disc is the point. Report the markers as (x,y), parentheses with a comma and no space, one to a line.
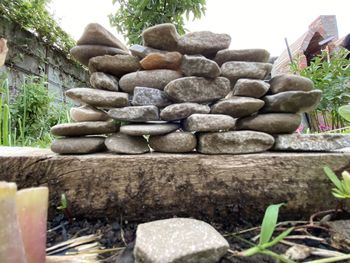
(117,234)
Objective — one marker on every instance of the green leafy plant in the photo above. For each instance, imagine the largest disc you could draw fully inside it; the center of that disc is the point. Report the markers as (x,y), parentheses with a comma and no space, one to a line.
(133,16)
(267,229)
(33,16)
(342,187)
(5,115)
(332,76)
(344,111)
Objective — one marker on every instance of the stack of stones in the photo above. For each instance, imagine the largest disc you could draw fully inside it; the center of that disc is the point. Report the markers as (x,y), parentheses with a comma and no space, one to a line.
(178,94)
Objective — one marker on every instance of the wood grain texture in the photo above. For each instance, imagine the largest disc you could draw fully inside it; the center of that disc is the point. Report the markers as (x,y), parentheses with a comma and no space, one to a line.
(222,188)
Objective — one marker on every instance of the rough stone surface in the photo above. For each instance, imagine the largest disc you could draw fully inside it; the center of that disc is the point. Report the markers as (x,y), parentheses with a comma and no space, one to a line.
(95,34)
(78,145)
(273,123)
(311,142)
(163,36)
(87,113)
(237,107)
(179,111)
(289,82)
(249,55)
(135,113)
(157,185)
(175,142)
(204,42)
(235,70)
(292,101)
(208,122)
(142,51)
(169,60)
(117,65)
(149,129)
(178,240)
(148,96)
(199,66)
(234,142)
(100,80)
(99,98)
(197,89)
(85,52)
(122,143)
(156,79)
(84,128)
(251,88)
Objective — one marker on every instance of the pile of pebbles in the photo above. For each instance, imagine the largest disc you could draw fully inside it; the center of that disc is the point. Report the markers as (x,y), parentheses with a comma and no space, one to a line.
(179,94)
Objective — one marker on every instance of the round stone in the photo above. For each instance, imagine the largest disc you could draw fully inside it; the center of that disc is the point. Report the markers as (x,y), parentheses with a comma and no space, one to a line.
(175,142)
(78,145)
(135,113)
(122,143)
(87,113)
(84,128)
(208,122)
(289,82)
(100,80)
(181,111)
(251,88)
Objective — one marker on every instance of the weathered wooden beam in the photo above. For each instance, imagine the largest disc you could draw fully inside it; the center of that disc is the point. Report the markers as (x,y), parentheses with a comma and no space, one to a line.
(223,188)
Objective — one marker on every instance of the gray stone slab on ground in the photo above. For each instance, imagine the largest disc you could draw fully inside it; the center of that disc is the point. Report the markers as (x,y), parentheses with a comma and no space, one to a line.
(178,240)
(311,142)
(219,188)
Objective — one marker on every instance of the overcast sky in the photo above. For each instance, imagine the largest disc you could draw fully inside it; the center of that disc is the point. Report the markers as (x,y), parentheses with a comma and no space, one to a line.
(251,23)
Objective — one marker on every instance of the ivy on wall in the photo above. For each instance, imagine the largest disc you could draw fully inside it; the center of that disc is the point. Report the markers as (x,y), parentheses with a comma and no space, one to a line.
(32,15)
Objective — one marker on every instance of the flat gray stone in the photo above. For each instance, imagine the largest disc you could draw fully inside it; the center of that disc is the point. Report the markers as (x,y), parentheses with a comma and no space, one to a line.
(237,107)
(208,122)
(142,51)
(175,142)
(122,143)
(148,96)
(100,80)
(156,79)
(95,34)
(84,128)
(99,98)
(135,113)
(311,142)
(234,142)
(181,111)
(292,101)
(289,82)
(203,42)
(117,65)
(87,113)
(78,145)
(197,89)
(272,123)
(178,240)
(84,53)
(235,70)
(249,55)
(163,36)
(149,129)
(199,66)
(251,88)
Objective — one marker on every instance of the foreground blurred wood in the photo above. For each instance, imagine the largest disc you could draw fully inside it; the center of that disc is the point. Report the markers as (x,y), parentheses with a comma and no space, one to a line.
(222,188)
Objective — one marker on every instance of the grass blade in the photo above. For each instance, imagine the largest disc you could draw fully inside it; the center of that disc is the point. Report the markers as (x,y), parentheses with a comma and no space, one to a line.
(269,223)
(332,176)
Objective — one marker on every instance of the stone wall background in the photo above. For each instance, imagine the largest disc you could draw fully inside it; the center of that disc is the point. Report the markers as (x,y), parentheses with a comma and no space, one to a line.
(28,55)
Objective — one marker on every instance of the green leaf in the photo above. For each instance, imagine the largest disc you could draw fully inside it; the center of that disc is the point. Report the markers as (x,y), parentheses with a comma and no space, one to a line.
(269,223)
(279,238)
(344,111)
(332,176)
